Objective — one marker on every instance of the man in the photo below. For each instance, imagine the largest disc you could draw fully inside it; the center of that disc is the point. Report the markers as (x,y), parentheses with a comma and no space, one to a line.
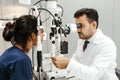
(95,56)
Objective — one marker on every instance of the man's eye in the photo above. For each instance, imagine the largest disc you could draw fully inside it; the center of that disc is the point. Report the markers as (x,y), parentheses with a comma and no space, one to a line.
(79,25)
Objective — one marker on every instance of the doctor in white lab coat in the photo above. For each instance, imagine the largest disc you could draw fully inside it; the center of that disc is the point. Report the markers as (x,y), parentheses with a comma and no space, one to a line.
(95,60)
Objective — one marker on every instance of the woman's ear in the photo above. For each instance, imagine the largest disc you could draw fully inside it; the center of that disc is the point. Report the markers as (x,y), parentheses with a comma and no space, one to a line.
(33,35)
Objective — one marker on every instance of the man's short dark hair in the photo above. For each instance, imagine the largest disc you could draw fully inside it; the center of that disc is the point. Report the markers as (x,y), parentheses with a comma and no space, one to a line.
(91,14)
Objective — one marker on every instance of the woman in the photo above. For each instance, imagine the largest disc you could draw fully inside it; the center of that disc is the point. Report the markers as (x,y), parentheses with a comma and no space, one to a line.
(14,62)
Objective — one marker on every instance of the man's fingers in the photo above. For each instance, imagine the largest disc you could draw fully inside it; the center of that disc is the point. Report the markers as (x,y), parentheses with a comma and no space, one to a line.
(53,58)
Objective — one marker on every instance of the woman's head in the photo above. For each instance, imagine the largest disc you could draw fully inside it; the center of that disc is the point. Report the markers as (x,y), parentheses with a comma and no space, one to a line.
(23,30)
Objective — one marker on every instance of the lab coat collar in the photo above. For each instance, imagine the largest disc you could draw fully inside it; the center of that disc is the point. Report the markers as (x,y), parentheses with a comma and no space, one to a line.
(96,37)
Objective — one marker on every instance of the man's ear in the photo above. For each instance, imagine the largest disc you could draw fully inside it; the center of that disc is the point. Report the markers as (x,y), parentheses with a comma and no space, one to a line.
(94,24)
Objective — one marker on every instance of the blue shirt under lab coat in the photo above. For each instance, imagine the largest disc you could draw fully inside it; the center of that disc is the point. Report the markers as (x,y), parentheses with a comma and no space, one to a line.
(15,65)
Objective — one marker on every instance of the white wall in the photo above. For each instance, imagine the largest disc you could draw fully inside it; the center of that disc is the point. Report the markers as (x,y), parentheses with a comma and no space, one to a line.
(3,44)
(116,29)
(12,8)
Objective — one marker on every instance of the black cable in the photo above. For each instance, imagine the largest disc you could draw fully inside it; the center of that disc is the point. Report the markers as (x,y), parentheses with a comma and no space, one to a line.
(53,18)
(38,2)
(51,15)
(49,11)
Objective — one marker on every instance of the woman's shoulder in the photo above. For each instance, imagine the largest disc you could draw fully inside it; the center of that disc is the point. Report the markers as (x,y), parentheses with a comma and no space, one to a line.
(15,53)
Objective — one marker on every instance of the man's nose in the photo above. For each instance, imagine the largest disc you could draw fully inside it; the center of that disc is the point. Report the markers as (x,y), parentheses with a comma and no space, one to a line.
(78,29)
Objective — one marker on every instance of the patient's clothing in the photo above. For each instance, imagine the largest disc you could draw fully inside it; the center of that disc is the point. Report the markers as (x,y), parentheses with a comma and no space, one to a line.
(15,65)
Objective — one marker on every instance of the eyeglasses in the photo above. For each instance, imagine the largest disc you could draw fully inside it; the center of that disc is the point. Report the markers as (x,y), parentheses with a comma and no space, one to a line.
(78,25)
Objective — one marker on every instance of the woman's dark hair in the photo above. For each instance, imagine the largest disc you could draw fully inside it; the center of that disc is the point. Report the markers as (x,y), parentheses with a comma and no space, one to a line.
(20,30)
(91,14)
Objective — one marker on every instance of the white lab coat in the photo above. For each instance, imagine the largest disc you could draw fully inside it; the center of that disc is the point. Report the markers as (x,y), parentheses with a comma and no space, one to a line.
(97,62)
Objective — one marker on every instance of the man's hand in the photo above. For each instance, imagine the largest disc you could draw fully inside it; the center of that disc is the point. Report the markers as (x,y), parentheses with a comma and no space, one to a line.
(60,62)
